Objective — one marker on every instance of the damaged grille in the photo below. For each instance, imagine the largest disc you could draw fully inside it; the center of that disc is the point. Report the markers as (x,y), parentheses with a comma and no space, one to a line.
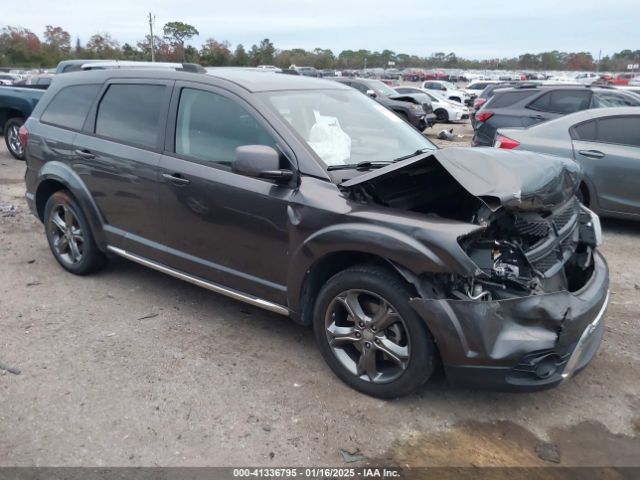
(551,237)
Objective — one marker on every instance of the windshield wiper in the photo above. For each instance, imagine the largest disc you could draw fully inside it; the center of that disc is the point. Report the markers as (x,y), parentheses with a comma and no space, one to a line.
(366,165)
(414,154)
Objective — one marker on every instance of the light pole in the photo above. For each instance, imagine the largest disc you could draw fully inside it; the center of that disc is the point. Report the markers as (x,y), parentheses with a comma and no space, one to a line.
(152,19)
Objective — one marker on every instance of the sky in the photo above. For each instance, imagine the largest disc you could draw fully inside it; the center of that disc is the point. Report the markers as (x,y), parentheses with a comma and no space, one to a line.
(471,29)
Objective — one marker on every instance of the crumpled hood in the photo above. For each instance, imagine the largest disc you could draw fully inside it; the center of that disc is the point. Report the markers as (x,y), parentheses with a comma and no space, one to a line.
(514,179)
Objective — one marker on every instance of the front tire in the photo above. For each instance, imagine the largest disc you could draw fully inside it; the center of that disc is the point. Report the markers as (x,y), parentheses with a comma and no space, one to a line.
(442,115)
(370,336)
(69,235)
(12,139)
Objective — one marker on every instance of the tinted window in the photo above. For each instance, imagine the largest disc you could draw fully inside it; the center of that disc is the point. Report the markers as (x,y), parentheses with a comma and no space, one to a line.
(585,131)
(210,127)
(562,101)
(131,114)
(70,106)
(621,130)
(612,99)
(505,99)
(359,86)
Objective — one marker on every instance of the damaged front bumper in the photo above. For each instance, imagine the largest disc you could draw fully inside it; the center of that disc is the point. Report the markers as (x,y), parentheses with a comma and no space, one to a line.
(519,344)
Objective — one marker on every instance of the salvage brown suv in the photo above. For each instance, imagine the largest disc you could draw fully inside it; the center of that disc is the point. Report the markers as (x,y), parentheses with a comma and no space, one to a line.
(307,198)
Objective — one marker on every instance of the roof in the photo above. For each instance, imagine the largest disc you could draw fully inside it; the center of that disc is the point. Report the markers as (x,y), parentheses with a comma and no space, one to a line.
(250,80)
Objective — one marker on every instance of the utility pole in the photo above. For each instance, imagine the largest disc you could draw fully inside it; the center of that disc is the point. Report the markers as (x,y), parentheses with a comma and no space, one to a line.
(152,19)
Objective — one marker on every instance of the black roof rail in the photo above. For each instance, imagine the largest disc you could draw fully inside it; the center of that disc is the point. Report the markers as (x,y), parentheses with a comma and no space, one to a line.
(193,68)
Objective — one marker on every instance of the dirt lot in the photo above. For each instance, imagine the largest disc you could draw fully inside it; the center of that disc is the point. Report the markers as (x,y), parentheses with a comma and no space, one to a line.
(131,367)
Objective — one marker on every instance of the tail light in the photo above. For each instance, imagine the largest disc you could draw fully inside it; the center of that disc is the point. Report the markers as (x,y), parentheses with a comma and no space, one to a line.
(23,135)
(483,116)
(478,102)
(505,142)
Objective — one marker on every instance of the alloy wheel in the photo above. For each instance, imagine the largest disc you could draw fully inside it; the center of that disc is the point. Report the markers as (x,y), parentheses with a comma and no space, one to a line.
(368,336)
(14,141)
(68,239)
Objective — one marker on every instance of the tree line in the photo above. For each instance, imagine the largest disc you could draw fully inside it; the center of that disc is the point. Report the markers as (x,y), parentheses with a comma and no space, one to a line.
(20,47)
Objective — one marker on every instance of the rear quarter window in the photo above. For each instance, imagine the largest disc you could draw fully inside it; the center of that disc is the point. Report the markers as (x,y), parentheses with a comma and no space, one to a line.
(70,106)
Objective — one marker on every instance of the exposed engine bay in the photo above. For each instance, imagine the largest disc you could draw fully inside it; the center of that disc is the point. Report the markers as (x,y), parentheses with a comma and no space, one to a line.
(537,237)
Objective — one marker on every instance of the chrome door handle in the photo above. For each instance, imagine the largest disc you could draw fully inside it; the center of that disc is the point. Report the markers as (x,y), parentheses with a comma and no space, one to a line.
(591,153)
(177,179)
(85,154)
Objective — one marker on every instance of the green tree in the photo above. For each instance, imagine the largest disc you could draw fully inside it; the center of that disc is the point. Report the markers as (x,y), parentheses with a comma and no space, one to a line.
(103,46)
(216,53)
(240,56)
(176,33)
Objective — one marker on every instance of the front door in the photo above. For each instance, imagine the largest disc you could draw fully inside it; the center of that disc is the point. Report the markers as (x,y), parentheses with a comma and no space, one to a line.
(221,226)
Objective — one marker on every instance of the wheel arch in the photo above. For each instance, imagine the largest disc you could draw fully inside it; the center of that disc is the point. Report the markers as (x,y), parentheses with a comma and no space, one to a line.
(56,176)
(341,246)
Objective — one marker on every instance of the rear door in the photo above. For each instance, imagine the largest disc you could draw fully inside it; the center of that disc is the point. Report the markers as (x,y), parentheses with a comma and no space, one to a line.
(118,154)
(608,149)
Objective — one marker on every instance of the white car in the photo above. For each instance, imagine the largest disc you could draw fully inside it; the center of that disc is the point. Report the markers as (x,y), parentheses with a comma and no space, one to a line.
(445,110)
(476,88)
(634,82)
(447,90)
(586,78)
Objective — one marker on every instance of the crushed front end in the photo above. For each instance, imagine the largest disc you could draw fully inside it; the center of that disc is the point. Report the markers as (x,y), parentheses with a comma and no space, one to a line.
(532,316)
(526,309)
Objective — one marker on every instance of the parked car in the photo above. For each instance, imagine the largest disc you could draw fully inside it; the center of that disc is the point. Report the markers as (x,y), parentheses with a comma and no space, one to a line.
(586,78)
(67,66)
(413,74)
(8,79)
(474,89)
(42,80)
(490,89)
(313,201)
(306,71)
(634,82)
(448,91)
(522,107)
(606,144)
(391,74)
(444,110)
(411,110)
(624,78)
(16,104)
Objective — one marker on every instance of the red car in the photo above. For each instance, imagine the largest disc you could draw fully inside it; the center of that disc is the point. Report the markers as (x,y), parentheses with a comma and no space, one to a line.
(623,78)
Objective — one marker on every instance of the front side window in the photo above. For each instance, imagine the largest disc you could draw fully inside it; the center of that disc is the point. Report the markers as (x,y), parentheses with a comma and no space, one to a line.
(619,130)
(210,127)
(611,99)
(344,127)
(70,106)
(131,114)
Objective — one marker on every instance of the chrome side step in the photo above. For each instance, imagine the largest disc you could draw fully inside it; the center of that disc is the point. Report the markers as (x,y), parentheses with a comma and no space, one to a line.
(258,302)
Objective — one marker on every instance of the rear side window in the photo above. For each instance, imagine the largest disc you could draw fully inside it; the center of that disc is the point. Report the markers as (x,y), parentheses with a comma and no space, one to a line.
(620,130)
(70,106)
(562,101)
(507,99)
(131,114)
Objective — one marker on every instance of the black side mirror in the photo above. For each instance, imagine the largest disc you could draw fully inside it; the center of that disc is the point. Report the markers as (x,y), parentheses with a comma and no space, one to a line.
(259,161)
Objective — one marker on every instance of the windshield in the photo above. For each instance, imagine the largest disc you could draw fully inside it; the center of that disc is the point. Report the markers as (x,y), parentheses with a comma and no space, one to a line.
(381,88)
(346,127)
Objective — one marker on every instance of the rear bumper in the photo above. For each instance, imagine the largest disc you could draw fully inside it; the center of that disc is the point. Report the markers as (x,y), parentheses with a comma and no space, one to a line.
(522,344)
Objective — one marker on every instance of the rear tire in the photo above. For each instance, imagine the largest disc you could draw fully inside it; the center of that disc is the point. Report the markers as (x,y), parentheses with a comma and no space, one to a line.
(69,235)
(11,138)
(370,336)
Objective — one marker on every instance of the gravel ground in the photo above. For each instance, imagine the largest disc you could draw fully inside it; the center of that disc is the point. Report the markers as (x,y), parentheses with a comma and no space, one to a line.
(129,367)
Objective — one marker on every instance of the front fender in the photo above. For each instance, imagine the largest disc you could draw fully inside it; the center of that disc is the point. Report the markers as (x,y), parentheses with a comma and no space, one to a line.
(64,174)
(391,244)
